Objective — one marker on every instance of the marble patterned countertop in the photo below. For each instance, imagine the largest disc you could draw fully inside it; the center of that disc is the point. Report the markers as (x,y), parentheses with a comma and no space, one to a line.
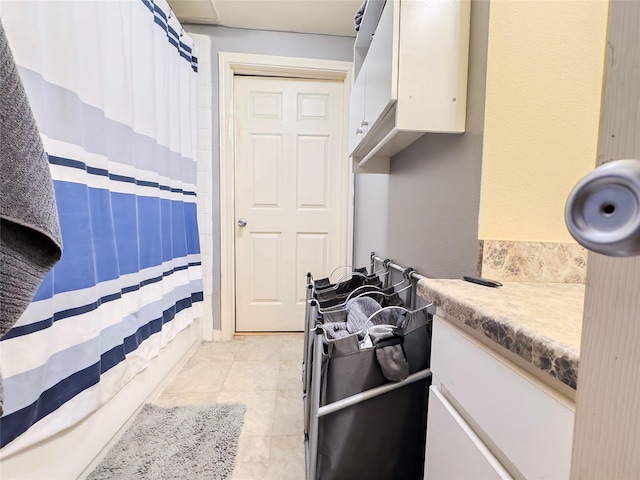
(539,322)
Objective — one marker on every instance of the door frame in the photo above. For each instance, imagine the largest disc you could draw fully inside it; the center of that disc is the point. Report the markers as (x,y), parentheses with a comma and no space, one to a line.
(230,64)
(607,423)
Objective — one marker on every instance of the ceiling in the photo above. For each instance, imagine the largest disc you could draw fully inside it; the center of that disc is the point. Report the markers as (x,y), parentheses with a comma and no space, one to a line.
(328,17)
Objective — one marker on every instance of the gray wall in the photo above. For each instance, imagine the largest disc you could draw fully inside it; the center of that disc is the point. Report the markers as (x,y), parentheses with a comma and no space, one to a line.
(224,39)
(371,216)
(432,194)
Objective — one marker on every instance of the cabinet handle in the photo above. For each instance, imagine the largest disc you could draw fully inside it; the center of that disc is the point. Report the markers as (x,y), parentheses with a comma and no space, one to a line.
(364,123)
(358,131)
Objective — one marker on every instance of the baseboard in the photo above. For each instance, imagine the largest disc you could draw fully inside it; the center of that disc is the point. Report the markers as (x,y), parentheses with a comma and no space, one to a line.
(217,335)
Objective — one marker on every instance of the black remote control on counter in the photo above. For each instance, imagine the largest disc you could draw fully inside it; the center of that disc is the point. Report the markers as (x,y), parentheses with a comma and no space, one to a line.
(483,281)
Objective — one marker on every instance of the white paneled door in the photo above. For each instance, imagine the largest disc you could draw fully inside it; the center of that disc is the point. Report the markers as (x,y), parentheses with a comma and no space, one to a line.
(290,197)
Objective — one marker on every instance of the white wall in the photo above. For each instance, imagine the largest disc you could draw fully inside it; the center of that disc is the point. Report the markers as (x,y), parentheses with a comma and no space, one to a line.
(370,223)
(260,42)
(205,180)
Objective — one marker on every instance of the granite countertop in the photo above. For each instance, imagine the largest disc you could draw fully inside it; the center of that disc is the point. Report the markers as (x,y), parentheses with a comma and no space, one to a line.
(539,322)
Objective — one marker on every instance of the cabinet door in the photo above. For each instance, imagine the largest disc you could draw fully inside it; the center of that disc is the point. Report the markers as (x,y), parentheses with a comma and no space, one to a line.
(356,110)
(381,64)
(526,421)
(453,450)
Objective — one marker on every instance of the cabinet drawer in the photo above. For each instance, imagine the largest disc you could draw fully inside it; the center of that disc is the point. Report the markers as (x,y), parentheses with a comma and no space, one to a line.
(454,451)
(516,415)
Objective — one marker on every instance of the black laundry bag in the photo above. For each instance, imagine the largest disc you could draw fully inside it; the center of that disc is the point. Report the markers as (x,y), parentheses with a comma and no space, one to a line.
(383,437)
(347,283)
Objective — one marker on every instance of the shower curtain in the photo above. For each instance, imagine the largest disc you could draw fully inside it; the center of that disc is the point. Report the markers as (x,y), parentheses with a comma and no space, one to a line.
(112,85)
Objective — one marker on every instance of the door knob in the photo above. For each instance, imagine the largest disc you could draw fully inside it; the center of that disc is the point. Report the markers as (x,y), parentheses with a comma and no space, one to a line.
(603,210)
(242,223)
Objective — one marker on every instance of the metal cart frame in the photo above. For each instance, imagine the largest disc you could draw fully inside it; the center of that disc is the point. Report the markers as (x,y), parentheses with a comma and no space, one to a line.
(314,372)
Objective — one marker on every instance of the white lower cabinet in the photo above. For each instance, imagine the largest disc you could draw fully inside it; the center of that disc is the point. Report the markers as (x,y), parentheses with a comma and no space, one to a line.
(482,405)
(454,451)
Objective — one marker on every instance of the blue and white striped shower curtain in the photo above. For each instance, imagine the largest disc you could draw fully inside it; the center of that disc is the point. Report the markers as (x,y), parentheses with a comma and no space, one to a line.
(112,85)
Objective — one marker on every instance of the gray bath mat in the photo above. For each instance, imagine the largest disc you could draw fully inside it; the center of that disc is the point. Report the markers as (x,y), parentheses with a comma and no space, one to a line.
(189,442)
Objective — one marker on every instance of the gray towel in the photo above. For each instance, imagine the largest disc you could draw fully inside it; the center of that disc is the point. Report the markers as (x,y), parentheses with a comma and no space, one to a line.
(362,308)
(335,330)
(30,239)
(388,341)
(357,20)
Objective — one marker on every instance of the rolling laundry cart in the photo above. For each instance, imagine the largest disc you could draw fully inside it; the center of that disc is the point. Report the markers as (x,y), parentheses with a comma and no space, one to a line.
(358,424)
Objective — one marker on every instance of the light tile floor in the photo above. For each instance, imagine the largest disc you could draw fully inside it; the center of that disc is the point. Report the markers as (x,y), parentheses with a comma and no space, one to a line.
(263,372)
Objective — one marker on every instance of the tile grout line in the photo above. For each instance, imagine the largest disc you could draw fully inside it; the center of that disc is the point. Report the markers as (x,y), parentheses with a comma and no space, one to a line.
(275,406)
(227,375)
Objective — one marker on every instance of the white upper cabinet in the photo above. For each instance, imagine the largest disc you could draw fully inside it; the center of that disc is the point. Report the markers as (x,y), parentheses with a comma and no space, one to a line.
(381,67)
(356,104)
(410,60)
